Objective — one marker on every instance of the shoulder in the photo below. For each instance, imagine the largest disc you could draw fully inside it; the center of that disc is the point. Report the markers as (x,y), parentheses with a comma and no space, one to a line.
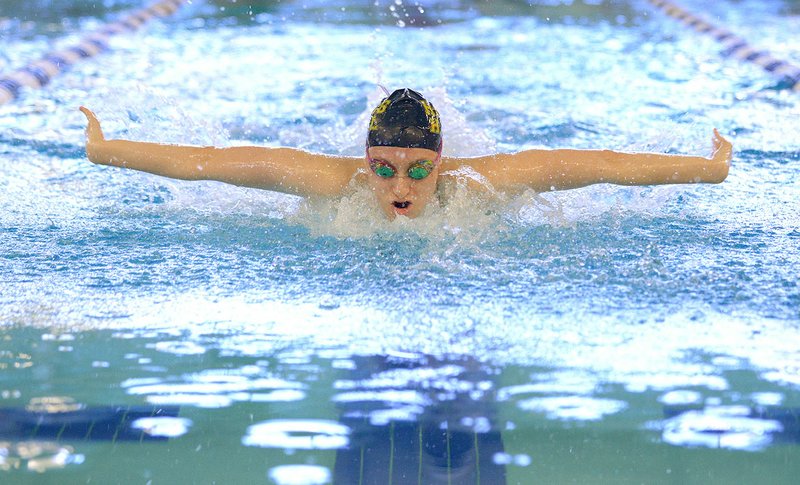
(479,163)
(464,177)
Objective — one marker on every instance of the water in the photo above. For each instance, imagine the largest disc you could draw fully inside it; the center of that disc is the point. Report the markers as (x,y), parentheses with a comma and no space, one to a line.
(607,334)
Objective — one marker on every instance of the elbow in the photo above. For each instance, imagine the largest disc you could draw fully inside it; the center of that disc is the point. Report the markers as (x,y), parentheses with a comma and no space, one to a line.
(719,174)
(722,176)
(96,155)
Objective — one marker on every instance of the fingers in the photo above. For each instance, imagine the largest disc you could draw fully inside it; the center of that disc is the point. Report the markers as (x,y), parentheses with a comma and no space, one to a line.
(719,140)
(93,130)
(722,149)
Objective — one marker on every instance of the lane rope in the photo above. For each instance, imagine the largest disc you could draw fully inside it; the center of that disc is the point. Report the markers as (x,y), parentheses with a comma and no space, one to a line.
(37,74)
(735,46)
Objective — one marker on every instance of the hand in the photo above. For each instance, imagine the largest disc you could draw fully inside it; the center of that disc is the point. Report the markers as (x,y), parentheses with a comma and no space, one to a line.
(94,135)
(722,150)
(93,131)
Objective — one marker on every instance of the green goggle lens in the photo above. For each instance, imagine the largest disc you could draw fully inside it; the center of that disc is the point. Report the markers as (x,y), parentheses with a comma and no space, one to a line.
(384,171)
(418,172)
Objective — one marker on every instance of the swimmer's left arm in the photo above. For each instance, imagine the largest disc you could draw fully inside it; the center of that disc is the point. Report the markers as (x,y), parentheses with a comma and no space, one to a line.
(545,170)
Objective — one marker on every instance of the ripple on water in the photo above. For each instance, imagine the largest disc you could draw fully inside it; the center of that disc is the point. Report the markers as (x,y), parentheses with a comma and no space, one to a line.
(300,475)
(37,456)
(166,427)
(729,427)
(216,388)
(298,434)
(573,408)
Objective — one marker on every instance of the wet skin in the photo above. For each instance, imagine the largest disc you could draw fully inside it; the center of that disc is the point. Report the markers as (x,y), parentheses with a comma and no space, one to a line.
(402,195)
(303,173)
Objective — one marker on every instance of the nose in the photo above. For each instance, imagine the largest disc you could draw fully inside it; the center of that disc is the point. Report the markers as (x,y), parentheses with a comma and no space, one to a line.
(401,187)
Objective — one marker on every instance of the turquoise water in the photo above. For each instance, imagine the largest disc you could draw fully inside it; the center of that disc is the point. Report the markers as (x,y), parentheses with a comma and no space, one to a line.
(601,335)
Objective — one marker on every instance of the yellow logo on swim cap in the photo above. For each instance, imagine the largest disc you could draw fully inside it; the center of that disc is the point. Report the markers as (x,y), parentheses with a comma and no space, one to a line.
(433,117)
(373,121)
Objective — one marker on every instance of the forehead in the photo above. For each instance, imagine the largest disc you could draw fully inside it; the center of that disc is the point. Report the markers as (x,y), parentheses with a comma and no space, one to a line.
(400,155)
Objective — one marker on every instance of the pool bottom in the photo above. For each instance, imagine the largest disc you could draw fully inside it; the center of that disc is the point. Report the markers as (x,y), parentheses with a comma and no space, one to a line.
(312,415)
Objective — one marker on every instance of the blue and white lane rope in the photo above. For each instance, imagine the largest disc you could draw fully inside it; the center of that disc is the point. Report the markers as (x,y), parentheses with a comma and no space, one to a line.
(38,73)
(735,46)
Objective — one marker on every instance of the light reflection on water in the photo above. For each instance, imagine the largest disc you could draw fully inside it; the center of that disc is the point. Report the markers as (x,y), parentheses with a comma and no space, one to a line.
(721,427)
(392,405)
(37,456)
(298,434)
(300,475)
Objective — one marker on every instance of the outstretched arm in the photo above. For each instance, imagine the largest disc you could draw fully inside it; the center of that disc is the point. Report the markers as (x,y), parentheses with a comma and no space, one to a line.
(285,170)
(544,170)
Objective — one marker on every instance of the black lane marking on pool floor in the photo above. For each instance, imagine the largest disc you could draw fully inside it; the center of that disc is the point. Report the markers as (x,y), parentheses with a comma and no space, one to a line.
(100,423)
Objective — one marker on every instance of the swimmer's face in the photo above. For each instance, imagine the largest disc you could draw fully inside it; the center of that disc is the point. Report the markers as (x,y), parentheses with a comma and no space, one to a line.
(401,194)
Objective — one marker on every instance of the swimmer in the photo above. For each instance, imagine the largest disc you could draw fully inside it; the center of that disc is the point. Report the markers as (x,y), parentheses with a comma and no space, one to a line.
(403,164)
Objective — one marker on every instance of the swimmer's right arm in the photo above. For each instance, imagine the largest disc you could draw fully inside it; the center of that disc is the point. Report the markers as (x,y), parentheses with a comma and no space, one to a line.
(286,170)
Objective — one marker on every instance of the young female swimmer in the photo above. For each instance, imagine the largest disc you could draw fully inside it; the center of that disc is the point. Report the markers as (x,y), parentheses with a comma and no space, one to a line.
(403,164)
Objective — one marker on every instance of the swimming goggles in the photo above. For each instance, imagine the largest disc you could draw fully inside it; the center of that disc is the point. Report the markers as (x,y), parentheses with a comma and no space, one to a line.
(417,171)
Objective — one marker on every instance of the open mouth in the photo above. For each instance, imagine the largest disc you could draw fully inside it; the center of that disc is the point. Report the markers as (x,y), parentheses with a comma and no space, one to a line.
(401,205)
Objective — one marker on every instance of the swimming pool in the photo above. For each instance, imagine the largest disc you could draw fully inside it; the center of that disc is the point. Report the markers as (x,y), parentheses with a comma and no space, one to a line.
(607,334)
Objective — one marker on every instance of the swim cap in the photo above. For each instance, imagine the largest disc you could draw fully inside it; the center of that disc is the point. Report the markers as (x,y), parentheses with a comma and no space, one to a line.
(405,119)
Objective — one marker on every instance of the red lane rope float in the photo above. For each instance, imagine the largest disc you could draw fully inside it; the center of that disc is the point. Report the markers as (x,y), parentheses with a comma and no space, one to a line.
(735,46)
(39,73)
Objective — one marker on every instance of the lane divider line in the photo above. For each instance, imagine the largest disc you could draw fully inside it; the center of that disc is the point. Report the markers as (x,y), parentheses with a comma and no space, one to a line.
(39,73)
(734,46)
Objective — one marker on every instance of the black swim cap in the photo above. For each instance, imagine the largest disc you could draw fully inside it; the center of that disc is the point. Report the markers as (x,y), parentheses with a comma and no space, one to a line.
(405,119)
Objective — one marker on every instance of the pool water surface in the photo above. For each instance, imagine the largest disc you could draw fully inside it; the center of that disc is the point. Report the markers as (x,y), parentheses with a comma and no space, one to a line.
(161,331)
